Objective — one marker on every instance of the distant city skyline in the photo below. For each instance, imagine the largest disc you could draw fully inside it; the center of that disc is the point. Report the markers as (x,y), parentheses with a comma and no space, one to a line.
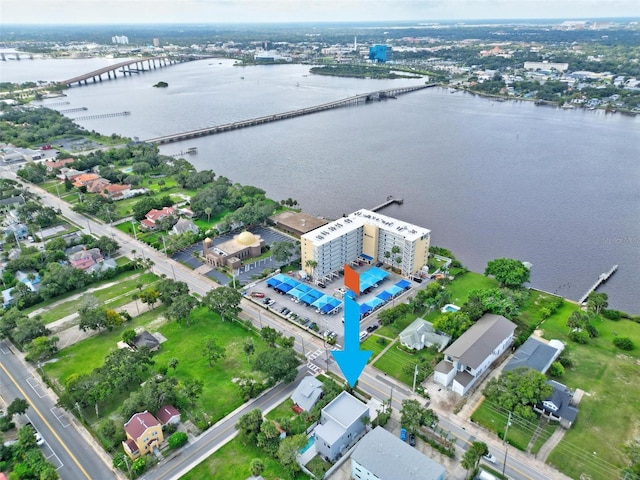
(62,12)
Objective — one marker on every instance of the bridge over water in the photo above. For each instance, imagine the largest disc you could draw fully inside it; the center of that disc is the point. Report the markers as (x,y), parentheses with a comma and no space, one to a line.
(354,100)
(128,67)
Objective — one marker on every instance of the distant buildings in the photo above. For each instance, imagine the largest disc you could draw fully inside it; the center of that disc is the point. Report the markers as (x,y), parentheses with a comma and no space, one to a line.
(380,53)
(120,39)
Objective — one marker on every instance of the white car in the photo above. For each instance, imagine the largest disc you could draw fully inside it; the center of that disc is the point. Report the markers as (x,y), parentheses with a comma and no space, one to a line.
(363,335)
(489,458)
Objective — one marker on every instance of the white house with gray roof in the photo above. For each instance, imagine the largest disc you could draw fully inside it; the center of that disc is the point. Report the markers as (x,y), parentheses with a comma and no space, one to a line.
(307,392)
(466,359)
(380,455)
(340,425)
(420,334)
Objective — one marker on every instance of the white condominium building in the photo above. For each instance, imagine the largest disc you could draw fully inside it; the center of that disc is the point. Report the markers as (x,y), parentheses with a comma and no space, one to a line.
(364,235)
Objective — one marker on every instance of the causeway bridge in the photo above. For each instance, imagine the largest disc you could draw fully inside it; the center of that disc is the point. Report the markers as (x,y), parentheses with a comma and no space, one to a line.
(354,100)
(125,68)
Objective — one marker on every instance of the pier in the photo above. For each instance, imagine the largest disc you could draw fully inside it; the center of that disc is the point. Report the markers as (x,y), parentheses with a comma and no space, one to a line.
(390,200)
(601,279)
(72,110)
(103,115)
(57,104)
(354,100)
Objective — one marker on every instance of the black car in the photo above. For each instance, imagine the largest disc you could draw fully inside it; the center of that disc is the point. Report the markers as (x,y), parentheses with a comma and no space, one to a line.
(379,264)
(372,328)
(266,301)
(412,440)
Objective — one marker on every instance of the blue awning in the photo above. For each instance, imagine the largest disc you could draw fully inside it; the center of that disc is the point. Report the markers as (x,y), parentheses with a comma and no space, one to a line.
(375,302)
(366,257)
(283,287)
(404,284)
(273,281)
(384,296)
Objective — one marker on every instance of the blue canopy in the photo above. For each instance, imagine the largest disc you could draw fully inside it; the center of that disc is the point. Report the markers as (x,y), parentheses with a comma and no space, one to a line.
(304,288)
(283,287)
(384,296)
(404,284)
(364,308)
(295,292)
(292,281)
(375,302)
(273,281)
(394,290)
(366,257)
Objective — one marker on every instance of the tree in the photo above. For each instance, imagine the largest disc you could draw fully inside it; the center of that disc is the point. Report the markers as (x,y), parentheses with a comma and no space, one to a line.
(518,390)
(92,318)
(223,300)
(177,439)
(288,452)
(281,251)
(181,308)
(596,302)
(312,264)
(169,290)
(472,456)
(17,407)
(173,363)
(128,336)
(150,296)
(556,370)
(249,348)
(212,351)
(270,335)
(256,467)
(414,415)
(207,212)
(41,348)
(278,364)
(269,437)
(249,426)
(190,390)
(508,272)
(395,250)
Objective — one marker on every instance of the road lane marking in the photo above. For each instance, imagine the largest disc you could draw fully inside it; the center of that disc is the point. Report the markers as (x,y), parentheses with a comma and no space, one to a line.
(55,434)
(62,418)
(33,383)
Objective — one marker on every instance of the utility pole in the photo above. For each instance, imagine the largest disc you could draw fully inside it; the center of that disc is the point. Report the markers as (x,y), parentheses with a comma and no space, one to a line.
(506,445)
(415,376)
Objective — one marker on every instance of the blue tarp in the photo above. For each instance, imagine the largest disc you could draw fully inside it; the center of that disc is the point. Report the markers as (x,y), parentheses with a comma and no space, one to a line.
(404,284)
(384,296)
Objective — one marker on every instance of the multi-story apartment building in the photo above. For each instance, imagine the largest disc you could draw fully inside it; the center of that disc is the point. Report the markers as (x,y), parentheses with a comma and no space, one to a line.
(364,235)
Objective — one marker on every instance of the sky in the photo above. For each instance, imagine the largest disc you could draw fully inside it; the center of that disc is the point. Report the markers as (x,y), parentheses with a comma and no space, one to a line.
(279,11)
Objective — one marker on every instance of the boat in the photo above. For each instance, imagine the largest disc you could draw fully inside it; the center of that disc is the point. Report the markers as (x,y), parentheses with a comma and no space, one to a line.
(192,150)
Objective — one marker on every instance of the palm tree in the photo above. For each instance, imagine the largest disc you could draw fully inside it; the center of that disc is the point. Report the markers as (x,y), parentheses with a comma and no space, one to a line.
(396,250)
(208,211)
(312,264)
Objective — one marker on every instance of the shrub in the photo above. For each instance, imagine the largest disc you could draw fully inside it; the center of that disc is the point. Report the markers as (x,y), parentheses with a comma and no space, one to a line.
(169,428)
(579,336)
(623,343)
(611,314)
(177,440)
(556,369)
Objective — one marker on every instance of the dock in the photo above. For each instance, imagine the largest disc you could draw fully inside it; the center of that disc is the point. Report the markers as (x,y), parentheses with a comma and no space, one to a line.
(390,200)
(103,115)
(601,279)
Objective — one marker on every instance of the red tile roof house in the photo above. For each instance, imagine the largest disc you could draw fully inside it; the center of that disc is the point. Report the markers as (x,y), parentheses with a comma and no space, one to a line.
(144,432)
(84,179)
(97,185)
(154,215)
(85,258)
(54,165)
(168,414)
(116,192)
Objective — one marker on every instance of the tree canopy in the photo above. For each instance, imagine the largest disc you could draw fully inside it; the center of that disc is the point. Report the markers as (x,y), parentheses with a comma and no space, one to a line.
(508,272)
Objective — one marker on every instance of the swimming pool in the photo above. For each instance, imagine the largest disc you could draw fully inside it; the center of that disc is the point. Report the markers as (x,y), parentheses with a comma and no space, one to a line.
(309,444)
(449,307)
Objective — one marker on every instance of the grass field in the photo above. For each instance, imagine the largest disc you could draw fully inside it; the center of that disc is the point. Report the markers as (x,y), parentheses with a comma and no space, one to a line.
(394,362)
(232,462)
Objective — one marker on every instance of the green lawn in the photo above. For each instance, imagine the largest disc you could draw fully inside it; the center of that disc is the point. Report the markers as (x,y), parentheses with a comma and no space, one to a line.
(232,462)
(371,343)
(460,287)
(84,356)
(220,396)
(395,360)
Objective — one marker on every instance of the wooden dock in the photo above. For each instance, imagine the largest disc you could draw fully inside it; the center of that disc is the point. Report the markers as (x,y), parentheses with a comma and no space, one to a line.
(390,200)
(601,279)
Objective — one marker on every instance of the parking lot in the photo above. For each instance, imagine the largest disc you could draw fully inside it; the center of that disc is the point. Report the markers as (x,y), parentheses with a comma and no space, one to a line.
(297,310)
(248,270)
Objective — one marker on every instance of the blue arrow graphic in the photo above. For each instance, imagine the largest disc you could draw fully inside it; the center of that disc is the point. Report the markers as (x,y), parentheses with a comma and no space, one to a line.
(351,360)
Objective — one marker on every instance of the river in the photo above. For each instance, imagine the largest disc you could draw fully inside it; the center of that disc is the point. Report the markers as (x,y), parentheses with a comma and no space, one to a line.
(557,188)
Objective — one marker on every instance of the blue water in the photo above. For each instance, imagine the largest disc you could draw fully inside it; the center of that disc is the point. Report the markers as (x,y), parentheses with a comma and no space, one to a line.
(309,444)
(450,308)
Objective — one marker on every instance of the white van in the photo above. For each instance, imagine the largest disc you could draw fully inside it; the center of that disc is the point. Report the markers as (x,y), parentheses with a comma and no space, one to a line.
(485,476)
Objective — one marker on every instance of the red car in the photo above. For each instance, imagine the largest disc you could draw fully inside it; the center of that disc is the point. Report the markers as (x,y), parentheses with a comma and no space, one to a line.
(257,294)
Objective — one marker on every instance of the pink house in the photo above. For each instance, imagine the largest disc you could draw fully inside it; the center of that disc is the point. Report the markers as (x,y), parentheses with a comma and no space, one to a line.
(85,259)
(154,215)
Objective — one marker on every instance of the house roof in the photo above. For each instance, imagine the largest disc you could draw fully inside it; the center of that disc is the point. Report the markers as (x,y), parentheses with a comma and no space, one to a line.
(133,446)
(154,214)
(417,329)
(57,163)
(535,354)
(85,178)
(307,392)
(345,409)
(184,225)
(388,458)
(11,200)
(561,398)
(139,423)
(166,413)
(477,343)
(145,339)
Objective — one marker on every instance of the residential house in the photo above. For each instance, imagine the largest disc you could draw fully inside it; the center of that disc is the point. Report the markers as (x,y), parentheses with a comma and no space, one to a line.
(380,455)
(184,225)
(340,425)
(186,212)
(168,414)
(84,179)
(420,334)
(473,353)
(70,173)
(116,192)
(7,297)
(53,165)
(145,339)
(144,432)
(102,266)
(153,216)
(307,393)
(30,278)
(560,406)
(85,259)
(535,353)
(18,230)
(97,185)
(7,204)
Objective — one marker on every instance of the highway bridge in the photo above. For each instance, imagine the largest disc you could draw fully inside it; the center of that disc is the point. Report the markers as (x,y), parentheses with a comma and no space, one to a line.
(354,100)
(125,68)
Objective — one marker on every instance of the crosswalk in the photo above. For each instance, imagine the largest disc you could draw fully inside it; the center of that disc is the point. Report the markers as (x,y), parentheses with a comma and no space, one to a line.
(311,356)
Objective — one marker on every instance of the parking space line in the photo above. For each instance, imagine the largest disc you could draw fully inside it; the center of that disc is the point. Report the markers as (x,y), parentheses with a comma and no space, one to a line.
(37,388)
(60,416)
(4,352)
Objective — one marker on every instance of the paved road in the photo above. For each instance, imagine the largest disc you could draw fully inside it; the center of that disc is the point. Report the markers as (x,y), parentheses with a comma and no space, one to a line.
(67,446)
(371,381)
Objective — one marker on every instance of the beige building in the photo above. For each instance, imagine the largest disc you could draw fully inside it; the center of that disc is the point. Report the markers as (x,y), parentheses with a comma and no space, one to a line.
(232,252)
(367,236)
(144,432)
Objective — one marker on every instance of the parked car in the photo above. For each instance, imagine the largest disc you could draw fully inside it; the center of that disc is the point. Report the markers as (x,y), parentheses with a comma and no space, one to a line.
(39,439)
(378,264)
(412,440)
(403,434)
(489,458)
(313,326)
(372,328)
(257,294)
(417,280)
(266,301)
(271,302)
(363,335)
